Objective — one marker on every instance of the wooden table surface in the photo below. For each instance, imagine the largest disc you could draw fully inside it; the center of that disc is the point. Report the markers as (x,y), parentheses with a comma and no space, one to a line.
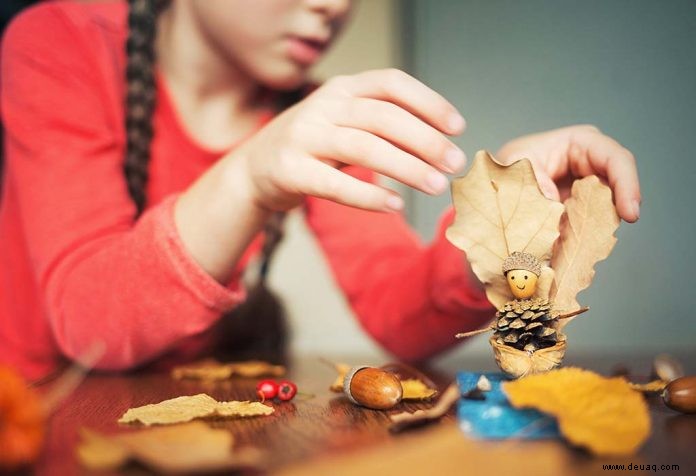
(326,434)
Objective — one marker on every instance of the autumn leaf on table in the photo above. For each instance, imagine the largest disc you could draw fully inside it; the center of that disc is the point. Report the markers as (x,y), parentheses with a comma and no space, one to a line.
(501,209)
(342,369)
(587,236)
(601,414)
(414,389)
(187,408)
(213,370)
(179,448)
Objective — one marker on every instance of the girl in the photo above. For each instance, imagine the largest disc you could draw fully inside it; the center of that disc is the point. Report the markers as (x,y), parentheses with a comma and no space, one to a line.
(130,223)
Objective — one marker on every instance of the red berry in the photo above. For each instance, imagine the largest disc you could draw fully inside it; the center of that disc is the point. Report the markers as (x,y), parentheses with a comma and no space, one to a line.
(286,390)
(266,389)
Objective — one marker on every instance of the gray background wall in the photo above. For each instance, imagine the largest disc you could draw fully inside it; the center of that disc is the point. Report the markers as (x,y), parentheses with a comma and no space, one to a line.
(629,67)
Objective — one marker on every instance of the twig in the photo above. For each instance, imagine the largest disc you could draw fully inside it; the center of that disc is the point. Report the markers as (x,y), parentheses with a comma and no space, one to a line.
(574,313)
(72,377)
(461,335)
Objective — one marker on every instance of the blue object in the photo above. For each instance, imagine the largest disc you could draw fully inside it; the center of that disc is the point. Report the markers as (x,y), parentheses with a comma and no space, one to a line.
(494,417)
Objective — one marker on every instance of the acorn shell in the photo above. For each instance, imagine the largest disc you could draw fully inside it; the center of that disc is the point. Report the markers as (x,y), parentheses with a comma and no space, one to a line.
(372,388)
(518,363)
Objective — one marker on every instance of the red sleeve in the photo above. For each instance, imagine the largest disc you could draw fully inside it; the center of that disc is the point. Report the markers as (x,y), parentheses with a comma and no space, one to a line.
(102,277)
(410,297)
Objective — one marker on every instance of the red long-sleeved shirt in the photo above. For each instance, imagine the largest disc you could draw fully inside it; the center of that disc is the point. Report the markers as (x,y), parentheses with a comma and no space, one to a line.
(75,268)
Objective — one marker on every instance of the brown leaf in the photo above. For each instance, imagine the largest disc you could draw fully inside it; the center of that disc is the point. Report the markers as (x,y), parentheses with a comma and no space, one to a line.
(210,369)
(601,414)
(405,420)
(587,236)
(180,448)
(500,209)
(187,408)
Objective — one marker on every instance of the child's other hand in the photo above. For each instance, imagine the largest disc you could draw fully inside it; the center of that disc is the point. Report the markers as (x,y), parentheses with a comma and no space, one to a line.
(562,155)
(384,120)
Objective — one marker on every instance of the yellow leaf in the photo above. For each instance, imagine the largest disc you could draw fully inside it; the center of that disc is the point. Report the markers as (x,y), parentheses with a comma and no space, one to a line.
(653,386)
(213,370)
(180,448)
(187,408)
(601,414)
(337,385)
(242,409)
(500,209)
(414,389)
(256,368)
(587,236)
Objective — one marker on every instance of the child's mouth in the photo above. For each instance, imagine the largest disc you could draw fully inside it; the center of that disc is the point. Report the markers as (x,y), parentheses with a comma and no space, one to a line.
(305,51)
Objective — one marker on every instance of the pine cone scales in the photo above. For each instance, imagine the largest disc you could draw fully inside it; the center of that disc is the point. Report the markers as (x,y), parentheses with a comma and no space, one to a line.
(526,325)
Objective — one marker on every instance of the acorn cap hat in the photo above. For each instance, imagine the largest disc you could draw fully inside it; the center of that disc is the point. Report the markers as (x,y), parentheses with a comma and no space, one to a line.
(521,260)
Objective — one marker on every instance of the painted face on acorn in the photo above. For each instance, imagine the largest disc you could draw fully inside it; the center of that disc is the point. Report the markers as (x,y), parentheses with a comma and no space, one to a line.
(522,283)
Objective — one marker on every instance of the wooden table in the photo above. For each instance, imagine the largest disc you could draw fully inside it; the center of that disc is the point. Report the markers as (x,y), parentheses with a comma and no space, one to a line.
(326,434)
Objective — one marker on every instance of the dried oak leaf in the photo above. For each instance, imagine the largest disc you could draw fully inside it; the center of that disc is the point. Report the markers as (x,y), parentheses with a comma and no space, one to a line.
(414,389)
(601,414)
(649,387)
(337,385)
(213,370)
(180,448)
(501,209)
(403,420)
(587,236)
(187,408)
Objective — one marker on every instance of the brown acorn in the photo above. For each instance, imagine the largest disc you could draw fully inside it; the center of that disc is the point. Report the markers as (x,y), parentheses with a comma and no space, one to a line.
(372,388)
(680,394)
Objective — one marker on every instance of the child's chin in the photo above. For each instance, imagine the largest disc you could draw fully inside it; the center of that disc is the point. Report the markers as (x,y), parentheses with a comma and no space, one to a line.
(288,79)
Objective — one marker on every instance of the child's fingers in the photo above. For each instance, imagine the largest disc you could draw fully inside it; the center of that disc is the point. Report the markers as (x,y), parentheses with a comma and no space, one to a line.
(319,179)
(398,87)
(402,128)
(610,159)
(358,147)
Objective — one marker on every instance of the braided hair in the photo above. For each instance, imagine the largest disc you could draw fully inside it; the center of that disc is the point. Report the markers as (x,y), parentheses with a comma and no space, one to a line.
(256,328)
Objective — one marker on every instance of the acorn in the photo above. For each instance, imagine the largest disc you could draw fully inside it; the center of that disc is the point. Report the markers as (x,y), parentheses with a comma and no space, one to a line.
(372,388)
(680,394)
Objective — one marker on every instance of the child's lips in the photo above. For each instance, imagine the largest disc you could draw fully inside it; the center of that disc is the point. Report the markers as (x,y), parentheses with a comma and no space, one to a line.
(305,51)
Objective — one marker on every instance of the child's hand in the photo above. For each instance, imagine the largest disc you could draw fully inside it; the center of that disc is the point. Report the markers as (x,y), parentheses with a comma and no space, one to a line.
(561,155)
(384,120)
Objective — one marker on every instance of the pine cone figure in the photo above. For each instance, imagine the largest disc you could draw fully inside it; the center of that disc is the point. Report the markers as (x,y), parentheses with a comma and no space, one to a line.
(527,324)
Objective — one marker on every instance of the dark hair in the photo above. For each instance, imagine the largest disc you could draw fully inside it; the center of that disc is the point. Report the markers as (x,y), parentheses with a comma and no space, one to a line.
(256,328)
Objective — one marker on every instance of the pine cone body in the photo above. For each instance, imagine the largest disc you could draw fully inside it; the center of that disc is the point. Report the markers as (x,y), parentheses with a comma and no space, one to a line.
(527,324)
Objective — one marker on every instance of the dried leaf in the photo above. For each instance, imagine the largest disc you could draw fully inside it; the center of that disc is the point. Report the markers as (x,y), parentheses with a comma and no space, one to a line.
(414,389)
(256,368)
(213,370)
(180,448)
(587,236)
(601,414)
(653,386)
(405,420)
(500,209)
(337,385)
(187,408)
